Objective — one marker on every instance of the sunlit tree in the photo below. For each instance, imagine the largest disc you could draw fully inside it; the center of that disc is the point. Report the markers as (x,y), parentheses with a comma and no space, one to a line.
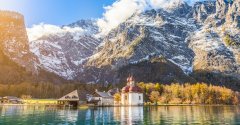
(154,96)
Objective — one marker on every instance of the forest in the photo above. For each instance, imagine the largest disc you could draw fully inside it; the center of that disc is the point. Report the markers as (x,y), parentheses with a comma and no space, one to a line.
(43,90)
(199,93)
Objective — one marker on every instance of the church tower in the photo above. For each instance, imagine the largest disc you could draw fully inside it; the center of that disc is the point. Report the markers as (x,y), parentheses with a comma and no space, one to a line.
(131,94)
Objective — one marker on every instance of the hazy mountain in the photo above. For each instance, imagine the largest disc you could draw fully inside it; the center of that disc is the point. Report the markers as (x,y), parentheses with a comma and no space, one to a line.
(17,63)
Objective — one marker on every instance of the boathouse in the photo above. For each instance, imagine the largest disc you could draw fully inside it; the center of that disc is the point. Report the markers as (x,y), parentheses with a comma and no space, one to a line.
(72,99)
(10,100)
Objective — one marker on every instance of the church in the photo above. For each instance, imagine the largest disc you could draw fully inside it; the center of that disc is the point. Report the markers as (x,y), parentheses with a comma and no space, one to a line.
(131,94)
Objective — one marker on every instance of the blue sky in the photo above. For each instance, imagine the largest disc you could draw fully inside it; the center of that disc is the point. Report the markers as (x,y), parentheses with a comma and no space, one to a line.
(61,12)
(57,12)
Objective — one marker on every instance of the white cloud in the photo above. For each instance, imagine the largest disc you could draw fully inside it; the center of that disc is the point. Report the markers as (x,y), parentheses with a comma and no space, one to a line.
(121,10)
(114,14)
(156,4)
(37,31)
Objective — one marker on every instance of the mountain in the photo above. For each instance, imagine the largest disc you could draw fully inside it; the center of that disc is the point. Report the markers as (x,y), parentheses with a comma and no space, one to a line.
(17,63)
(63,52)
(143,36)
(14,39)
(202,40)
(181,43)
(216,42)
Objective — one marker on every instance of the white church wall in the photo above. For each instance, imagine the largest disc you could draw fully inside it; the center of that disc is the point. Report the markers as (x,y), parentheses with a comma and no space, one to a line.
(123,99)
(135,98)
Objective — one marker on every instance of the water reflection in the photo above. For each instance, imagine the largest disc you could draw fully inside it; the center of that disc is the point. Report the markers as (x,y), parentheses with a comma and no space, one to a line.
(39,115)
(192,115)
(128,115)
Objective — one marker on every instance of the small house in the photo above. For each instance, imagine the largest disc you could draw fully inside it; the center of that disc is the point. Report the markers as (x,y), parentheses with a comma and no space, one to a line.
(10,100)
(102,98)
(72,99)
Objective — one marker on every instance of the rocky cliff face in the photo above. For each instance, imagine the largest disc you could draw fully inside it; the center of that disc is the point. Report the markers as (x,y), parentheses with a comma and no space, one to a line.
(151,33)
(202,40)
(216,42)
(201,10)
(64,51)
(145,36)
(14,40)
(17,63)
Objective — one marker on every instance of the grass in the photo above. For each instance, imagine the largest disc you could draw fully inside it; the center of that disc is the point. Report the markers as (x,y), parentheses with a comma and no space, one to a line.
(40,101)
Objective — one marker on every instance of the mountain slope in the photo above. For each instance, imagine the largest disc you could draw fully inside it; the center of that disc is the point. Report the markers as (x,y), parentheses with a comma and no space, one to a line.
(180,43)
(149,33)
(202,40)
(216,43)
(13,41)
(64,51)
(17,63)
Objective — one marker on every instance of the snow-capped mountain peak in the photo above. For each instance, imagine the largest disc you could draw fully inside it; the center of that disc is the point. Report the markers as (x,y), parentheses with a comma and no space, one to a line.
(62,50)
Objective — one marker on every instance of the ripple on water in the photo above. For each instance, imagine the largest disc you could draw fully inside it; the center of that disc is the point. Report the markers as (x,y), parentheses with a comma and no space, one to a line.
(31,115)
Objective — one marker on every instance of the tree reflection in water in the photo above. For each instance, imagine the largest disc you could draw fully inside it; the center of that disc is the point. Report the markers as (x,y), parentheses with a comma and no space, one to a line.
(36,115)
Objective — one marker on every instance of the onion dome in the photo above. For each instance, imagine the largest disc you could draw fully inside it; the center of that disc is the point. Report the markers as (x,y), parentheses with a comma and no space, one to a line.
(128,79)
(125,89)
(135,89)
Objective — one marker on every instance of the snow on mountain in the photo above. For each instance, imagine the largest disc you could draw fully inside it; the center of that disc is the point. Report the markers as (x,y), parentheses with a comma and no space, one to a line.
(212,52)
(203,38)
(121,10)
(194,42)
(159,32)
(62,50)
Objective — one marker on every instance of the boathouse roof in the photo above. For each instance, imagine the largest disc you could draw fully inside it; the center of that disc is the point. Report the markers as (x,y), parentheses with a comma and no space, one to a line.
(103,94)
(11,98)
(73,96)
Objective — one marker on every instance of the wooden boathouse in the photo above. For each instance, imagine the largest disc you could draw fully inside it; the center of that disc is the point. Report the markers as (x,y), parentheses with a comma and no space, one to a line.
(72,99)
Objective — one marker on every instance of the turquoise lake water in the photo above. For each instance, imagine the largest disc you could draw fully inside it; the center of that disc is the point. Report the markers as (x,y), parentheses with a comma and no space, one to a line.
(164,115)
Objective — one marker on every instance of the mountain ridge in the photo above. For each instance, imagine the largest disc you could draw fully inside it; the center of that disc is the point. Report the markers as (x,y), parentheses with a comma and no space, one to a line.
(201,42)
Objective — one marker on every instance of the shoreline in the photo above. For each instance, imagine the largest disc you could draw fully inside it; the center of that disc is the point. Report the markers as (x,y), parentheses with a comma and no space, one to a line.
(84,106)
(28,105)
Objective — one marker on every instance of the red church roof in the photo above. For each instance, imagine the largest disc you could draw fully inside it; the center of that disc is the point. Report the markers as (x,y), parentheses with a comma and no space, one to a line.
(131,88)
(125,89)
(135,89)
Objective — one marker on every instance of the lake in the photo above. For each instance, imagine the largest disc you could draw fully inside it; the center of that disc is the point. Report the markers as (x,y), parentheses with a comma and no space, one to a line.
(40,115)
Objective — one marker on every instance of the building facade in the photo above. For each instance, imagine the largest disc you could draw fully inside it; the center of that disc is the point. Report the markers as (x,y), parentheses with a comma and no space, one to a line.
(101,98)
(72,99)
(131,94)
(10,100)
